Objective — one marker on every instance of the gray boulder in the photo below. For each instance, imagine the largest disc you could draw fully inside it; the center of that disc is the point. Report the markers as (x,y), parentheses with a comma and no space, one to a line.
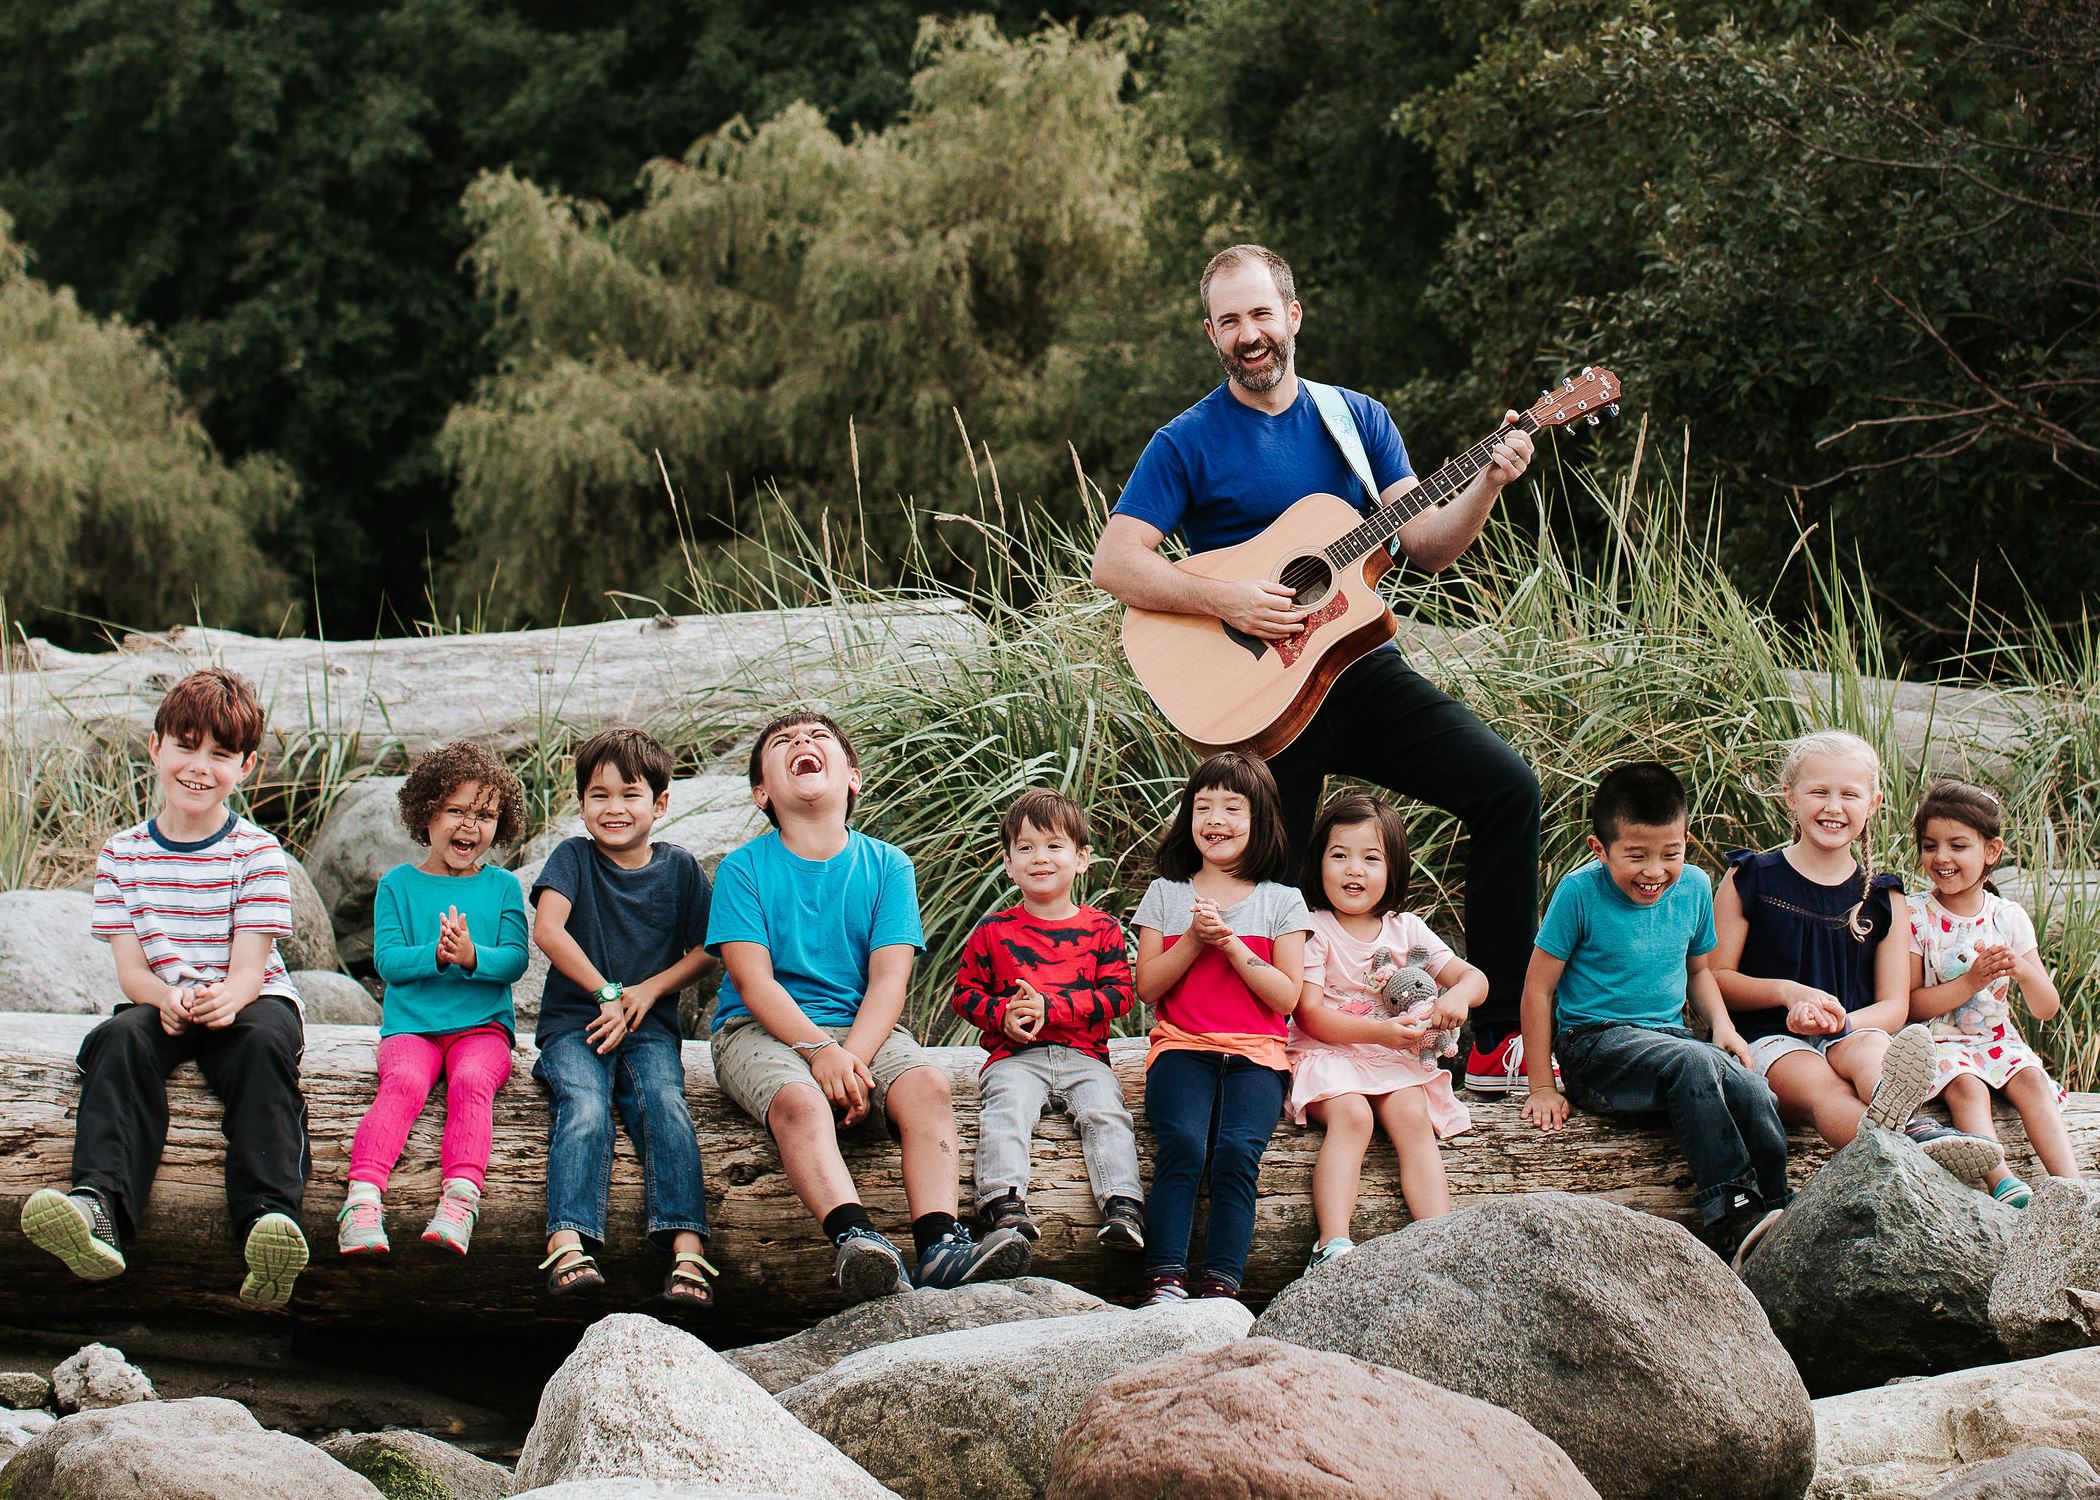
(1610,1331)
(641,1399)
(50,960)
(415,1466)
(18,1429)
(98,1376)
(360,840)
(333,999)
(1891,1249)
(978,1412)
(312,943)
(2037,1474)
(201,1449)
(1906,1440)
(913,1314)
(2055,1246)
(24,1390)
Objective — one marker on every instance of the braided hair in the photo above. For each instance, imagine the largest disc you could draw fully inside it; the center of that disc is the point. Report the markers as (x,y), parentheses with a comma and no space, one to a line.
(1838,745)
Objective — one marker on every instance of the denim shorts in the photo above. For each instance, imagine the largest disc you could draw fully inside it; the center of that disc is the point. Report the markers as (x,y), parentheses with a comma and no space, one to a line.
(1767,1050)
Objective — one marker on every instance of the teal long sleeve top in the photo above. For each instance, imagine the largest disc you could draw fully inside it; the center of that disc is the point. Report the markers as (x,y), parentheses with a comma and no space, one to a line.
(423,998)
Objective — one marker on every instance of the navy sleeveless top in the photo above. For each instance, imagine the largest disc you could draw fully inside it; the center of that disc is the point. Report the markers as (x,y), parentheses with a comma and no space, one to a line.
(1799,931)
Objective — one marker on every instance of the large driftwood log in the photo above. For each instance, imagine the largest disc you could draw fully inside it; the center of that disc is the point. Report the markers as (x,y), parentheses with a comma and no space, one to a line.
(503,688)
(773,1262)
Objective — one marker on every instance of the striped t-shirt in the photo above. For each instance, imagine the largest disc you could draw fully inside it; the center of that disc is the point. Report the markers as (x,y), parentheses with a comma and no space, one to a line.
(184,902)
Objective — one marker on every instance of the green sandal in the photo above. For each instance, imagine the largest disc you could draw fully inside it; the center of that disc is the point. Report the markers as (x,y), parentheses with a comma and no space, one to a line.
(686,1282)
(576,1272)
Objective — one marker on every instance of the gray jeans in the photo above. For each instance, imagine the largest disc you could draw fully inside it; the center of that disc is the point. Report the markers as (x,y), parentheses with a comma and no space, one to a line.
(1014,1091)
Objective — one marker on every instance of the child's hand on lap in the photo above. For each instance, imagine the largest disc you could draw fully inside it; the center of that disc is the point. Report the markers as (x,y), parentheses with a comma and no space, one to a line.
(605,1033)
(210,1007)
(1814,1013)
(1205,925)
(1546,1108)
(636,1001)
(1732,1043)
(175,1011)
(1024,1013)
(845,1080)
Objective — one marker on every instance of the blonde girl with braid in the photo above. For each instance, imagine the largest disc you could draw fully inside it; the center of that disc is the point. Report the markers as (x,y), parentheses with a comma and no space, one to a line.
(1813,960)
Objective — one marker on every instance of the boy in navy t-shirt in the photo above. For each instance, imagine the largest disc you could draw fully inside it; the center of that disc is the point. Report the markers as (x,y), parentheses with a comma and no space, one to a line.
(622,921)
(1624,939)
(817,926)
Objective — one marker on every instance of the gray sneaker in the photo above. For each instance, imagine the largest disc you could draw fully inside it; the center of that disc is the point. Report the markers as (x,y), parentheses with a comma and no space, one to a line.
(452,1226)
(955,1259)
(1906,1078)
(867,1265)
(1972,1158)
(360,1228)
(75,1227)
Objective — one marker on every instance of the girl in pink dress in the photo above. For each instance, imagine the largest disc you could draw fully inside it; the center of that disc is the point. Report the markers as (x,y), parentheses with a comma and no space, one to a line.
(1354,1064)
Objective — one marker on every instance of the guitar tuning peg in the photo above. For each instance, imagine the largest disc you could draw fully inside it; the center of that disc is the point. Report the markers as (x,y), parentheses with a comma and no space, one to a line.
(1594,419)
(1543,395)
(1568,384)
(1612,410)
(1586,372)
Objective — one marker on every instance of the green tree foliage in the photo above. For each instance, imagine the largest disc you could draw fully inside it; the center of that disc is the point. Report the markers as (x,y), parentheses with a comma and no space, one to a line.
(117,507)
(1858,254)
(275,188)
(813,312)
(1287,113)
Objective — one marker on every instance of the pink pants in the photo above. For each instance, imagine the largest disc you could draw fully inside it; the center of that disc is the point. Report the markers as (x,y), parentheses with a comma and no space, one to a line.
(476,1064)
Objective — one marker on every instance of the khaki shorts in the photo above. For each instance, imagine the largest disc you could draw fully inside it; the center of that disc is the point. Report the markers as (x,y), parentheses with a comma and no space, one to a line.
(752,1065)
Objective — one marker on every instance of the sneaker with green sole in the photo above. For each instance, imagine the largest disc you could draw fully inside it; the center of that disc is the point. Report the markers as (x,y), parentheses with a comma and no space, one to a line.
(276,1254)
(75,1227)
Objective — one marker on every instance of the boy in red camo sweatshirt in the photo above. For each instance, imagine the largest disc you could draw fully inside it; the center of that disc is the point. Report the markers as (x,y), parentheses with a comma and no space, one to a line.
(1044,981)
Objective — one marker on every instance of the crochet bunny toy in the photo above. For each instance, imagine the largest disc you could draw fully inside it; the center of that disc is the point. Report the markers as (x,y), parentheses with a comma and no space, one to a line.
(1408,990)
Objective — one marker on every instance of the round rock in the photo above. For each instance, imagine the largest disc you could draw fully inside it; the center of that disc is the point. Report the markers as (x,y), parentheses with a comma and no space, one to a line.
(200,1449)
(333,999)
(312,941)
(1610,1331)
(415,1466)
(50,960)
(97,1376)
(1330,1428)
(360,840)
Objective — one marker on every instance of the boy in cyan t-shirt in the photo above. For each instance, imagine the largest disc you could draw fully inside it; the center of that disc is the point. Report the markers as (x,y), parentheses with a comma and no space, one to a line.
(817,926)
(1624,938)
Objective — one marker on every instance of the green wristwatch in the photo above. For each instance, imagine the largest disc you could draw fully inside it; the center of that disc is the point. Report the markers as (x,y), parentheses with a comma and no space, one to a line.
(608,994)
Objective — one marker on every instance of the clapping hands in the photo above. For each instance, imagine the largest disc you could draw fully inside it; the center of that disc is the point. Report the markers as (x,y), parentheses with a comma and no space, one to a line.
(455,946)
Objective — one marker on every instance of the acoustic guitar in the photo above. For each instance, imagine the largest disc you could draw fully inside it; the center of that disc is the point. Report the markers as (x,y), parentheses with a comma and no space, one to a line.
(1224,689)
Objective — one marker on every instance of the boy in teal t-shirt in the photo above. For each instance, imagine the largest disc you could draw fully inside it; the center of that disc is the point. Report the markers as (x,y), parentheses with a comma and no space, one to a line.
(817,926)
(1624,940)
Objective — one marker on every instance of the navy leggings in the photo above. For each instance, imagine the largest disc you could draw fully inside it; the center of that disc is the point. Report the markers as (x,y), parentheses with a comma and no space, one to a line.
(1219,1106)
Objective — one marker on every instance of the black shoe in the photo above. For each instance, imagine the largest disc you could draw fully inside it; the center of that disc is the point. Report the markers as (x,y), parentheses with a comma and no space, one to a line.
(1123,1226)
(1007,1211)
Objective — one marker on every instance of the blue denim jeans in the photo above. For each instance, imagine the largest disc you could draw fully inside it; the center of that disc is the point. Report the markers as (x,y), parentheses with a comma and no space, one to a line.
(644,1079)
(1723,1115)
(1219,1106)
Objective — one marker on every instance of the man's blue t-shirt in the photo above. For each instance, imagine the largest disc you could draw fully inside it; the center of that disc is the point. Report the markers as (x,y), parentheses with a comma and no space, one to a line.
(630,923)
(1625,962)
(820,919)
(1221,471)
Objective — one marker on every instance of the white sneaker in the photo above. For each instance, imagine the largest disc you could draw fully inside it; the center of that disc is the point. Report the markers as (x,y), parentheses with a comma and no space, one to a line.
(1334,1249)
(1906,1077)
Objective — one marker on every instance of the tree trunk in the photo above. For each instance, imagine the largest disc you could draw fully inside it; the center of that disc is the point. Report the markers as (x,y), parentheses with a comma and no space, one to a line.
(503,688)
(773,1261)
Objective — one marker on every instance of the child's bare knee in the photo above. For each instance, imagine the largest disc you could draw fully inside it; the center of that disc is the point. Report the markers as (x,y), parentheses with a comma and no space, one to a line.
(798,1109)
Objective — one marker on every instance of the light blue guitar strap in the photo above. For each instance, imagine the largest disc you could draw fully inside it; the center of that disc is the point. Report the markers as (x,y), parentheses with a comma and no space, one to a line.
(1341,426)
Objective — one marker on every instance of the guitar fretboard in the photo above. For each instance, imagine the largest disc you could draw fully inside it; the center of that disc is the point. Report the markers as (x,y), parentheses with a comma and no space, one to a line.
(1384,523)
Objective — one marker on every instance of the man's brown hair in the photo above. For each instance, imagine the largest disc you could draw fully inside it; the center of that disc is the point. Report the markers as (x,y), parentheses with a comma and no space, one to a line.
(635,753)
(1051,811)
(1239,255)
(215,702)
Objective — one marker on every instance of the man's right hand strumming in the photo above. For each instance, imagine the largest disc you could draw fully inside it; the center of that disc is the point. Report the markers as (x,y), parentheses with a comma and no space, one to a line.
(1264,610)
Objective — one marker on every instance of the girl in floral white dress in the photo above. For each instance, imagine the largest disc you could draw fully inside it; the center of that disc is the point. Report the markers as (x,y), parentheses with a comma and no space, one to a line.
(1967,945)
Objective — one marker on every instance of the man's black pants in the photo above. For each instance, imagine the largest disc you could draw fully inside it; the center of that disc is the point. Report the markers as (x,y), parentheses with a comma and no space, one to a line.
(251,1063)
(1385,723)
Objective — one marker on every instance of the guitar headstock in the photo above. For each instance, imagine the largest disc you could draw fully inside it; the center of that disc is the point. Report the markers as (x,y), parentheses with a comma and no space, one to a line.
(1593,393)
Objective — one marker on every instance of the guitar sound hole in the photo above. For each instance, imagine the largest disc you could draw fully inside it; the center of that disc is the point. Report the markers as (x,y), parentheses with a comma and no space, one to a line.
(1308,578)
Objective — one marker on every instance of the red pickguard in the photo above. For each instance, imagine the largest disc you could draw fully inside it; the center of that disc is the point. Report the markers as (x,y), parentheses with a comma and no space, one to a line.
(1292,647)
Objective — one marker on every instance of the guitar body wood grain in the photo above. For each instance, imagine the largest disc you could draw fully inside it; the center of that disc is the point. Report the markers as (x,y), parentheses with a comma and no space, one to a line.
(1224,690)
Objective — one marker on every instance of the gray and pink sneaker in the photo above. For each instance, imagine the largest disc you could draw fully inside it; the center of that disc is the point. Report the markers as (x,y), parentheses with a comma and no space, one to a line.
(360,1228)
(452,1225)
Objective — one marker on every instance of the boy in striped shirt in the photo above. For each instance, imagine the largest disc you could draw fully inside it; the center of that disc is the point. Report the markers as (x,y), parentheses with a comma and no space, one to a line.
(191,902)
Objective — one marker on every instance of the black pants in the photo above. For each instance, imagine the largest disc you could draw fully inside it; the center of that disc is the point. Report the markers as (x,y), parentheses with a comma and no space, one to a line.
(252,1064)
(1385,723)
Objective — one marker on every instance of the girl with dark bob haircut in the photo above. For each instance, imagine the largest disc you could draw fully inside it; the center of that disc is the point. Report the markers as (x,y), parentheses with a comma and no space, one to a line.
(1346,812)
(1267,856)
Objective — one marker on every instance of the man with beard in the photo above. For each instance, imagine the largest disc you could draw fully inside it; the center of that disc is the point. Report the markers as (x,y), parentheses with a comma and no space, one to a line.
(1221,472)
